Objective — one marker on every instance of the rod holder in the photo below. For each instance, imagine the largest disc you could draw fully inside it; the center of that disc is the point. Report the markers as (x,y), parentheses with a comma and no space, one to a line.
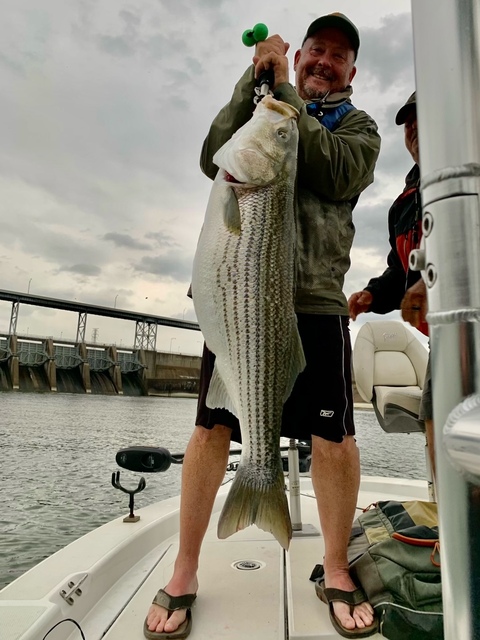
(131,492)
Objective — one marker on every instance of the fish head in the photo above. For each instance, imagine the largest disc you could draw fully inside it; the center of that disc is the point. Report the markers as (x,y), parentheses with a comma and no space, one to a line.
(264,148)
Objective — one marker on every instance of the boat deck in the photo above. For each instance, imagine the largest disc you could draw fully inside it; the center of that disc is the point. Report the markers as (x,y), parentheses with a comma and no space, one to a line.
(122,566)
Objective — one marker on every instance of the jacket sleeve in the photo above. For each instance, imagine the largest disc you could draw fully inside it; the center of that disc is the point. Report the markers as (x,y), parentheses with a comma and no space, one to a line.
(233,116)
(389,288)
(338,165)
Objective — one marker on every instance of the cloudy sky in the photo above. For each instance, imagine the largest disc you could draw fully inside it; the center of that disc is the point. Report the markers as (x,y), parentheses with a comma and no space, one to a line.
(104,107)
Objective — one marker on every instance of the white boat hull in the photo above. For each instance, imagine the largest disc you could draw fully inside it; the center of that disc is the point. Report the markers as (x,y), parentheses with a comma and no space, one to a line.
(121,566)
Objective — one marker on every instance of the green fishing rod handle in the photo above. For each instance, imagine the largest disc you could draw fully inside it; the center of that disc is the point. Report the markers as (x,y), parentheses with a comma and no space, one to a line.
(250,37)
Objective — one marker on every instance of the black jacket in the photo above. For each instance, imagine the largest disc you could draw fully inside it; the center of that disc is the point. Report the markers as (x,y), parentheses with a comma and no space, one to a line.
(405,232)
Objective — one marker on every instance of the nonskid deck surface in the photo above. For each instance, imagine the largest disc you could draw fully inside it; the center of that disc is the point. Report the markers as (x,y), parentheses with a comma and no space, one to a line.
(267,602)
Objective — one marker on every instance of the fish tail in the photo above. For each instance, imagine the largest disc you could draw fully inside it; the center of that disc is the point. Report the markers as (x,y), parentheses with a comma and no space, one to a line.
(252,502)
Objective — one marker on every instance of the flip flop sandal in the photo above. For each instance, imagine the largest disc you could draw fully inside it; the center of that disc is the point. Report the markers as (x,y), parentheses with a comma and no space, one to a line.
(172,603)
(352,598)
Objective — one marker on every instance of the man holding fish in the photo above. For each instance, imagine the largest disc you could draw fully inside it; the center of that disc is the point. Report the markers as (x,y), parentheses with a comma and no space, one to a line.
(267,289)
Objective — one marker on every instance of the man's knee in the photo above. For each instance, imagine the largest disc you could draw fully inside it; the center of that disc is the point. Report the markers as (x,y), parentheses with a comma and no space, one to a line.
(218,434)
(327,450)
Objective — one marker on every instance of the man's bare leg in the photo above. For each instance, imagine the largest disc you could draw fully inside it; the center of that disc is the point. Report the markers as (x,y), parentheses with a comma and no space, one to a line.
(203,470)
(336,480)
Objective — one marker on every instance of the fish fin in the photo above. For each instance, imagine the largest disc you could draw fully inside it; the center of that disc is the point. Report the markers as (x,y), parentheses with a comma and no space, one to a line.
(231,212)
(250,501)
(298,362)
(218,396)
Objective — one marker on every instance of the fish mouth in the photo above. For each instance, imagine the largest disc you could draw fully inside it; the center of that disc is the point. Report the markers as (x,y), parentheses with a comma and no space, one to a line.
(246,183)
(229,178)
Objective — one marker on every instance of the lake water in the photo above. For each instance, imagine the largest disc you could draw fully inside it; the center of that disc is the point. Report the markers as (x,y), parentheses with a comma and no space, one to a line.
(57,455)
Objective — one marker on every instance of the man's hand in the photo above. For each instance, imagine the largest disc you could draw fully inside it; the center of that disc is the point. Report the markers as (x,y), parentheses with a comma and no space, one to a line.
(272,54)
(414,304)
(359,302)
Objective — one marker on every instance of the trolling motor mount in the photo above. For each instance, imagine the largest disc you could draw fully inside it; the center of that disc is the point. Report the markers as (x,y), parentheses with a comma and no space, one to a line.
(145,460)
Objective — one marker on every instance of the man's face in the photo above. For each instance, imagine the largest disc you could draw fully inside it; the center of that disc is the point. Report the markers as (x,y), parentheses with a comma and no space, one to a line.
(411,134)
(326,62)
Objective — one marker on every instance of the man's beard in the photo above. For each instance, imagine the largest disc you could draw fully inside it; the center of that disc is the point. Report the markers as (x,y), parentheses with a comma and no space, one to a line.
(311,90)
(314,94)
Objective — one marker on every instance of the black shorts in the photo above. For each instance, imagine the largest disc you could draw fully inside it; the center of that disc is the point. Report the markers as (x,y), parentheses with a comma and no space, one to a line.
(321,402)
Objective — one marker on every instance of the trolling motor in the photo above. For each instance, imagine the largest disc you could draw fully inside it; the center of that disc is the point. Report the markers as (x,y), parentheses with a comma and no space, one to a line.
(147,459)
(250,37)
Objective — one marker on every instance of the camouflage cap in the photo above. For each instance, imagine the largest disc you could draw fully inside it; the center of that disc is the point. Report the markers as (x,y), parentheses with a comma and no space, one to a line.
(402,114)
(339,21)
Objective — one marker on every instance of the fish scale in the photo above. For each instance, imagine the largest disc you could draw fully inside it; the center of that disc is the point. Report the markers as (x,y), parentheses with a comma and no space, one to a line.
(243,292)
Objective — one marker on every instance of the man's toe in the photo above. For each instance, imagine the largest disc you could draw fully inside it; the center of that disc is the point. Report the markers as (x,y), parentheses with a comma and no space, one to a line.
(175,620)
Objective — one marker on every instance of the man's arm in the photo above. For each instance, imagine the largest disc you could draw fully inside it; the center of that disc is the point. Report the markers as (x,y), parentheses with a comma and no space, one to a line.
(389,288)
(414,304)
(382,294)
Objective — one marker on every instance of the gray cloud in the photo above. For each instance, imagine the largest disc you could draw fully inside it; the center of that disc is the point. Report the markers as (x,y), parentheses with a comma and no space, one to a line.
(57,247)
(125,44)
(162,239)
(386,52)
(371,226)
(125,240)
(168,266)
(84,269)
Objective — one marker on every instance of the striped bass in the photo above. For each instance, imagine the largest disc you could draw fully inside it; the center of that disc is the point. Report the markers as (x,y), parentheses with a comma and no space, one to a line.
(243,292)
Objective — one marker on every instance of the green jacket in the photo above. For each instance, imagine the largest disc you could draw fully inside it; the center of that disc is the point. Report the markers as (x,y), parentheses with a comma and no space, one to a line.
(333,168)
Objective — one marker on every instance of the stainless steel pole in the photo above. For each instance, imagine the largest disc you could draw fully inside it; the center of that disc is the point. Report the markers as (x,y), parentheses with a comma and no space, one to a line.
(294,486)
(447,58)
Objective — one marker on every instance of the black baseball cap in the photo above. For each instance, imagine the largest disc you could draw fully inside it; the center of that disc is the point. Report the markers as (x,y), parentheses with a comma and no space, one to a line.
(339,21)
(403,112)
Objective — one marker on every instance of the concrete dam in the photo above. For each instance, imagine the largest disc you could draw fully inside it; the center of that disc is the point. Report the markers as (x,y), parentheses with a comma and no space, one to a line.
(47,365)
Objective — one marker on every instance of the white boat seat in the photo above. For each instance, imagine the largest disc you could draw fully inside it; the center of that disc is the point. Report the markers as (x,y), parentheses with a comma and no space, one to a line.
(389,365)
(407,397)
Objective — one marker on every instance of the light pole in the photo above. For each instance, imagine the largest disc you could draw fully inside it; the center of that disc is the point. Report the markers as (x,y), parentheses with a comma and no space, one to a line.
(28,288)
(115,302)
(171,340)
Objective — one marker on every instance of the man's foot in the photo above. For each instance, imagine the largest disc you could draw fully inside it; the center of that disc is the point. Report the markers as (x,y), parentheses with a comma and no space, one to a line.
(362,615)
(158,619)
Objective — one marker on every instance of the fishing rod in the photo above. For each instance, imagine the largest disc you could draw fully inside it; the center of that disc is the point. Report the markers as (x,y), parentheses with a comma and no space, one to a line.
(266,80)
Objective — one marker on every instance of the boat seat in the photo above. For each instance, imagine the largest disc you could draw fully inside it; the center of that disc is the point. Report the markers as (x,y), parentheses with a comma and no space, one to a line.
(389,365)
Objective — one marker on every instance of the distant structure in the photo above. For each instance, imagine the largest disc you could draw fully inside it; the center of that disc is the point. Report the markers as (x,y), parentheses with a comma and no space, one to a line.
(73,366)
